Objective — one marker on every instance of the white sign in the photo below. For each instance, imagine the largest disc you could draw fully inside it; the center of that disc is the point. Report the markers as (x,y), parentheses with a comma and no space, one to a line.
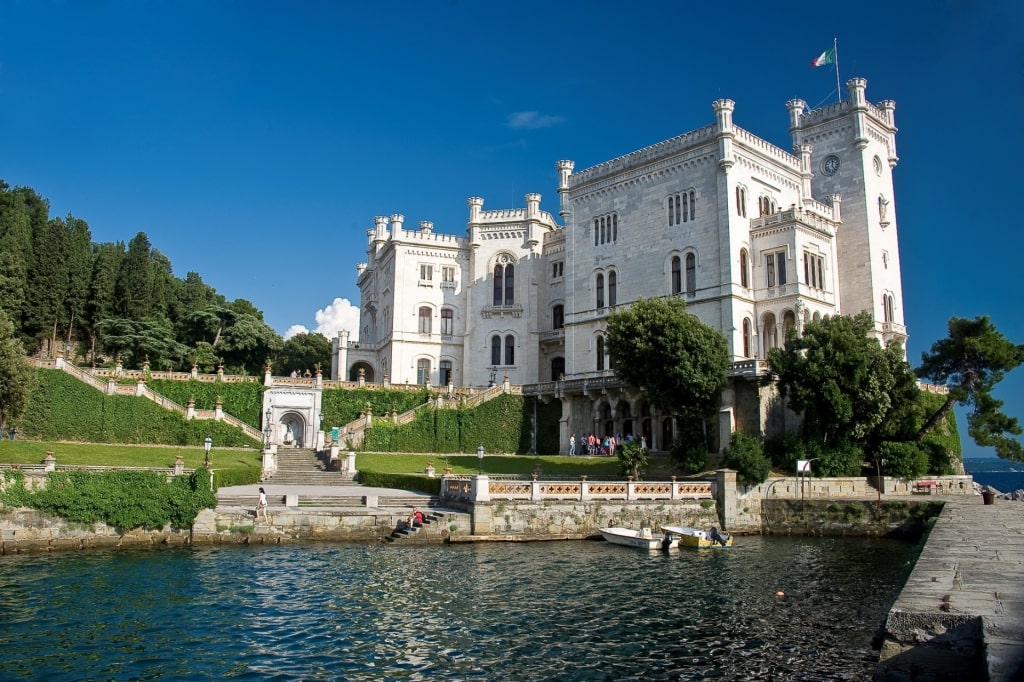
(803,466)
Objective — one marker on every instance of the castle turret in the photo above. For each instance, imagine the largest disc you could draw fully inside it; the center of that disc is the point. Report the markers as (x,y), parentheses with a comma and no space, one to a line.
(426,227)
(396,224)
(804,152)
(723,119)
(533,228)
(859,104)
(564,171)
(380,232)
(475,205)
(796,113)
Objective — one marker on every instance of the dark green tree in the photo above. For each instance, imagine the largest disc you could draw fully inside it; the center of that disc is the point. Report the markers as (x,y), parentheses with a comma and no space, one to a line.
(970,362)
(79,267)
(304,351)
(136,341)
(16,375)
(101,305)
(45,312)
(16,213)
(680,362)
(134,290)
(842,380)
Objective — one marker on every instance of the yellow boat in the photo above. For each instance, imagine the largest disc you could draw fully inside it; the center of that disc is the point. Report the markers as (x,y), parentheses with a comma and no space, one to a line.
(696,537)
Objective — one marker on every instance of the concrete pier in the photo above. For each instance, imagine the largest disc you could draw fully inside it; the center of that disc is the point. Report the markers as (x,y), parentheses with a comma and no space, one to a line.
(961,614)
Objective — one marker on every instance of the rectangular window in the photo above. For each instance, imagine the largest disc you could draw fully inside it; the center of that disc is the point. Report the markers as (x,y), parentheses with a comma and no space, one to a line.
(424,320)
(557,269)
(426,272)
(447,274)
(780,265)
(447,322)
(770,269)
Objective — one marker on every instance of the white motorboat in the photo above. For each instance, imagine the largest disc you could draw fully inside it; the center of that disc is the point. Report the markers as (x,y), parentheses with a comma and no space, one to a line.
(642,539)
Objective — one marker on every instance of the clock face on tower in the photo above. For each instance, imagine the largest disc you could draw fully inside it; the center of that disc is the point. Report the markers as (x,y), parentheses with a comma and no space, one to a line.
(830,165)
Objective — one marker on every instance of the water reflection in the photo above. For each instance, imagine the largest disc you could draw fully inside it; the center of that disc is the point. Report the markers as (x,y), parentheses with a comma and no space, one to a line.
(540,611)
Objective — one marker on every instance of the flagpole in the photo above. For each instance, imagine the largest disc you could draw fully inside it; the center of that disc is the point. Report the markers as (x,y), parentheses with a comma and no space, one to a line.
(835,51)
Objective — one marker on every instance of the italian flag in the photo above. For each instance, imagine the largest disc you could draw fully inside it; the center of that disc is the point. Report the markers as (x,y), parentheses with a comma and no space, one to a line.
(826,57)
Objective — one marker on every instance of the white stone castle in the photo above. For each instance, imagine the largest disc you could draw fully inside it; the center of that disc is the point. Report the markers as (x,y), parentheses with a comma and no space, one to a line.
(756,239)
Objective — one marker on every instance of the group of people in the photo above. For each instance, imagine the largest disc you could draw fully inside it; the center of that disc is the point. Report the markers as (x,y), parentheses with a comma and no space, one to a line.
(593,446)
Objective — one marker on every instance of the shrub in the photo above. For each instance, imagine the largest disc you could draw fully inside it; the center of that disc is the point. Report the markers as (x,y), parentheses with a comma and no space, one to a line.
(690,458)
(903,460)
(745,454)
(378,479)
(632,458)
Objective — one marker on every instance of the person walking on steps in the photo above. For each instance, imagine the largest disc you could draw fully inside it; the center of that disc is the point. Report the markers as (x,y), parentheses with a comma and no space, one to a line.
(261,506)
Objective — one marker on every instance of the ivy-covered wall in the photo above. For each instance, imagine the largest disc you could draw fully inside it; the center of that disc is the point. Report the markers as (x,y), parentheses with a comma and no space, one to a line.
(63,408)
(498,424)
(242,400)
(343,405)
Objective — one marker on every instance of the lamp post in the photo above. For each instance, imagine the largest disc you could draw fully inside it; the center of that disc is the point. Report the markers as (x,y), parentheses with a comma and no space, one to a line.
(480,458)
(803,466)
(266,428)
(351,439)
(207,444)
(878,476)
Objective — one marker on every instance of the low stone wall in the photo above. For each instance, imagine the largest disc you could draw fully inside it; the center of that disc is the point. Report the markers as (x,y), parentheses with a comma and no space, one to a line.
(857,518)
(25,530)
(531,519)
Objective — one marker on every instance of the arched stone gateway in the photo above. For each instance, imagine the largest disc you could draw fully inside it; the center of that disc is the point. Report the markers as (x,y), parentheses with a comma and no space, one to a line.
(367,369)
(291,416)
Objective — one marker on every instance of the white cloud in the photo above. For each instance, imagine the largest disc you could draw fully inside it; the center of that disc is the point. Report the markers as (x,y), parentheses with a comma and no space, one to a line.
(339,315)
(295,330)
(532,120)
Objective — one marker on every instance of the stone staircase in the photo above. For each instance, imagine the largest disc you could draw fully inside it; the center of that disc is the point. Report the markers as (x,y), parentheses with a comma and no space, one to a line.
(302,466)
(432,529)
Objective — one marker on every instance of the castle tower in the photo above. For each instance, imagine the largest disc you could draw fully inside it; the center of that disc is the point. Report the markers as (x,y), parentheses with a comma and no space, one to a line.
(853,155)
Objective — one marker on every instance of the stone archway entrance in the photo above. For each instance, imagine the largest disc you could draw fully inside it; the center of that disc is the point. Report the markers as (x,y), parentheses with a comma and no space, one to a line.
(293,430)
(353,373)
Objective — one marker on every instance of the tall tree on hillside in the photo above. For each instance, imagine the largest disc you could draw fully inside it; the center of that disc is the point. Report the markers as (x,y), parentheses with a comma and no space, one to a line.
(16,253)
(134,291)
(79,266)
(16,375)
(101,305)
(681,362)
(189,296)
(970,362)
(47,290)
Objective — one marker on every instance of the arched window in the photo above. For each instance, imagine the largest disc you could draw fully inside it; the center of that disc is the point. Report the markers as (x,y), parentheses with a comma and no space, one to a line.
(741,202)
(691,273)
(615,227)
(888,308)
(597,225)
(423,372)
(788,322)
(424,320)
(744,276)
(746,337)
(495,350)
(677,275)
(510,350)
(599,291)
(600,353)
(557,316)
(504,284)
(612,283)
(447,321)
(672,219)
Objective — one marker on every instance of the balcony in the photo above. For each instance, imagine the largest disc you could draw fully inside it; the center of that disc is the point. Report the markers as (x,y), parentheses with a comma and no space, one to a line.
(490,311)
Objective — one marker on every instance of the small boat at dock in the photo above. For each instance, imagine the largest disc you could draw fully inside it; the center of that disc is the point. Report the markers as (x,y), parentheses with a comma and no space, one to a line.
(641,539)
(697,537)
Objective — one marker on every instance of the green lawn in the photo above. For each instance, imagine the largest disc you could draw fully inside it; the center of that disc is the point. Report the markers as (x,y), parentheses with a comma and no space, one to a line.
(102,454)
(99,454)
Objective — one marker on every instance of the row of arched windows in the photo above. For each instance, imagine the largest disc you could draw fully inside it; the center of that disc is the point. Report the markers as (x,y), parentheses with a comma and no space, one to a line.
(606,229)
(682,207)
(765,204)
(423,372)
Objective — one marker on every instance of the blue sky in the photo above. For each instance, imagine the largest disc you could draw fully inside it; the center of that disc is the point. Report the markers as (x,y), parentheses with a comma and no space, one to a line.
(254,142)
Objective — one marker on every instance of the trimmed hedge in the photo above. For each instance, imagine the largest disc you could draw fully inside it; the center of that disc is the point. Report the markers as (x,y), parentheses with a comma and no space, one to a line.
(498,424)
(243,400)
(63,408)
(343,405)
(122,499)
(425,484)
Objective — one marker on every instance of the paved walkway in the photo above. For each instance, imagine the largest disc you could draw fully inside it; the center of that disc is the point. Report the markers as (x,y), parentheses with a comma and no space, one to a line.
(968,584)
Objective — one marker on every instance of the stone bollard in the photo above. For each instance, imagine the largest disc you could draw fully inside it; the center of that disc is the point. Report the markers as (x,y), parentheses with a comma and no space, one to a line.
(179,465)
(49,462)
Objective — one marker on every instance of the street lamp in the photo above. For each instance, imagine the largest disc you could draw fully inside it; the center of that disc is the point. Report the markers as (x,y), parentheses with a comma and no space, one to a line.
(480,458)
(207,444)
(266,427)
(351,439)
(803,466)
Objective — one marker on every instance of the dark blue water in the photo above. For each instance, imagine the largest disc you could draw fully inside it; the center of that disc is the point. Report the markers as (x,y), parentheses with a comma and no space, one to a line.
(1003,475)
(538,611)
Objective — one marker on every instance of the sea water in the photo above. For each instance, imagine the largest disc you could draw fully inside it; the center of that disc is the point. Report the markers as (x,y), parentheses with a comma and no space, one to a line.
(771,608)
(1001,474)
